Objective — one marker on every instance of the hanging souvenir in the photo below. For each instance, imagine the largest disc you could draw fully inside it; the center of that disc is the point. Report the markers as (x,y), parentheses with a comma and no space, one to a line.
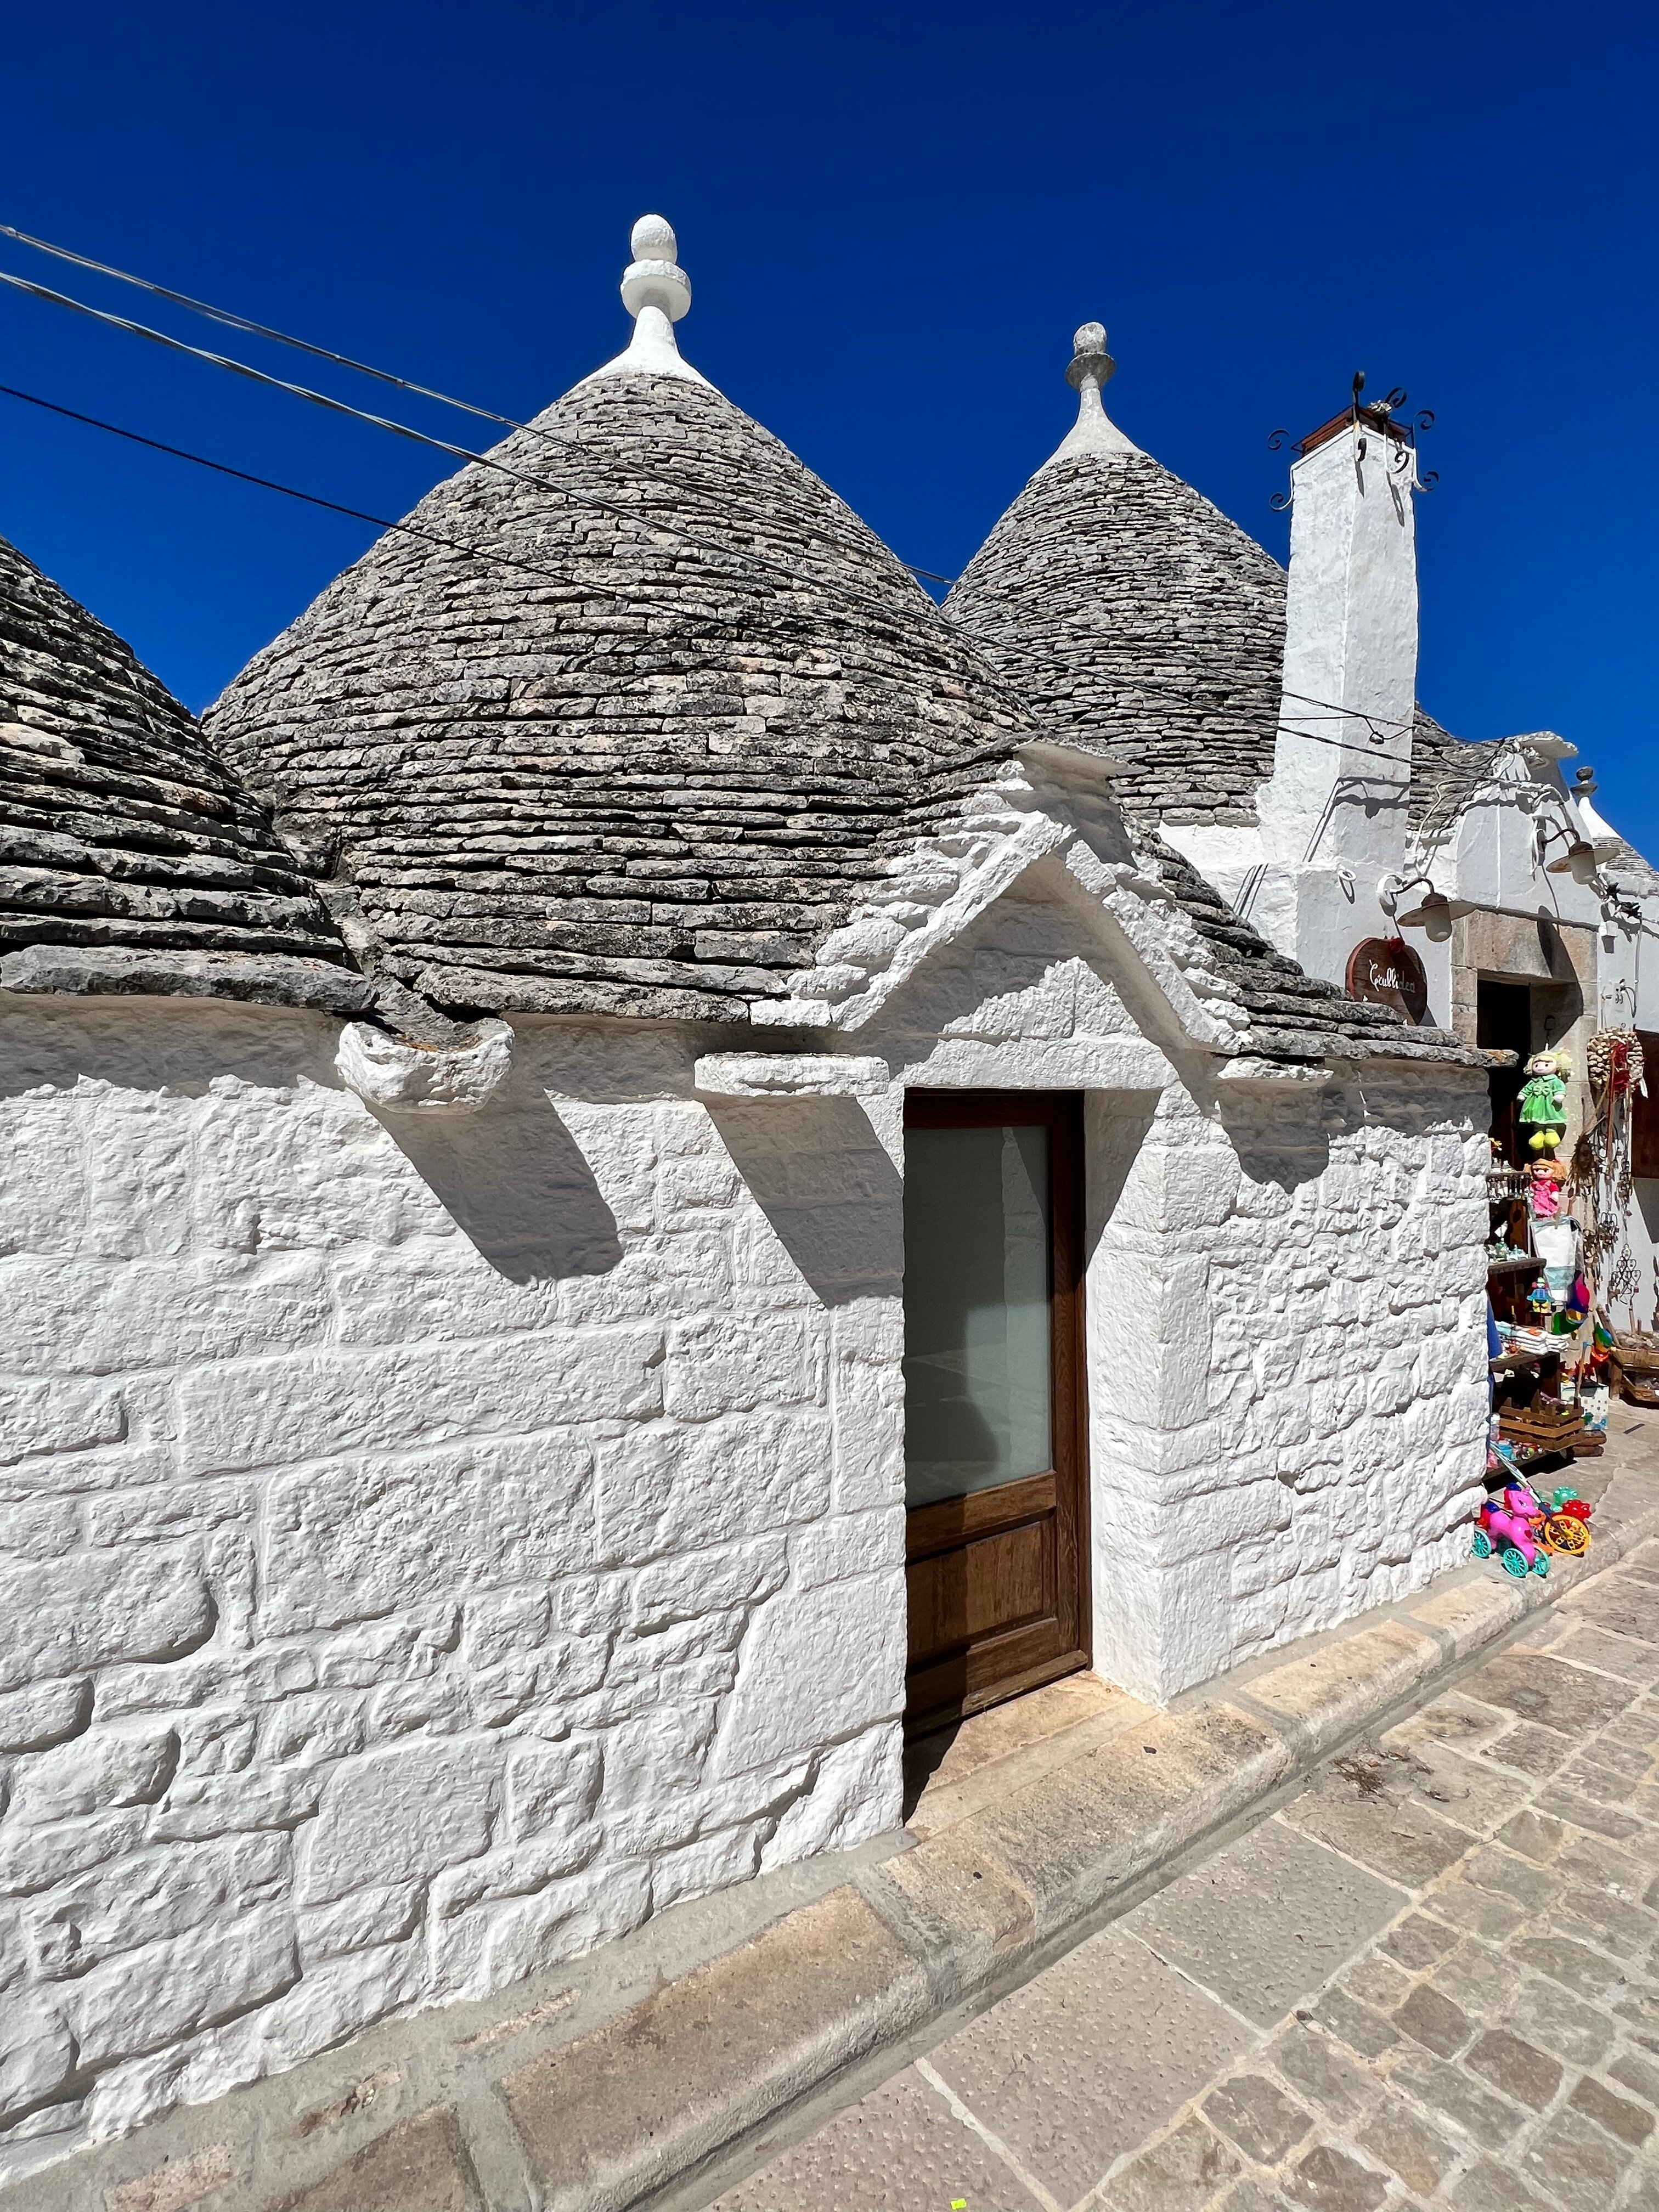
(1556,1243)
(1542,1109)
(1602,1178)
(1615,1064)
(1546,1183)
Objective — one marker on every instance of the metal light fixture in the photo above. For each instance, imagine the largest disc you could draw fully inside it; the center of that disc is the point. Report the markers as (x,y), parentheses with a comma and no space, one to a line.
(1434,912)
(1579,859)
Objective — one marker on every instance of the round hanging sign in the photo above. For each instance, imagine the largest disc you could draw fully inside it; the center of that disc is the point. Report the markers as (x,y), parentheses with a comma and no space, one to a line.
(1387,971)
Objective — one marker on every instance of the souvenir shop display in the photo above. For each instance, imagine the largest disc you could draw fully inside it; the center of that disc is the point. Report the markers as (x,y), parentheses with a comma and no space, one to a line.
(1604,1179)
(1561,1278)
(1633,1366)
(1538,1294)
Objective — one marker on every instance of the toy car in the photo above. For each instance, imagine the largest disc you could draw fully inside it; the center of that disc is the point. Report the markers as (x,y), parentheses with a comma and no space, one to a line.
(1523,1532)
(1509,1526)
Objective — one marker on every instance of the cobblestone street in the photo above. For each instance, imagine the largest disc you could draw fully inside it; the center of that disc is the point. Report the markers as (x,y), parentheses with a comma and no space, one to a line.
(1430,1980)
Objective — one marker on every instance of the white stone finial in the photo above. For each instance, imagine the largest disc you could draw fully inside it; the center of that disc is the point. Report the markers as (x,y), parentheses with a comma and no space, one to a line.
(1091,363)
(1089,368)
(653,278)
(656,291)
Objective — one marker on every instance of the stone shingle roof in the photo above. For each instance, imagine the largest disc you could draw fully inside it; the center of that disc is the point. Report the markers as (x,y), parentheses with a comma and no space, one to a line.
(130,857)
(1446,772)
(1138,620)
(1293,1016)
(635,774)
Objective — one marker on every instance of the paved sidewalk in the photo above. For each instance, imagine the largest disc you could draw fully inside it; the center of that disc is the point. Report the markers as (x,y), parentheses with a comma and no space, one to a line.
(1429,1980)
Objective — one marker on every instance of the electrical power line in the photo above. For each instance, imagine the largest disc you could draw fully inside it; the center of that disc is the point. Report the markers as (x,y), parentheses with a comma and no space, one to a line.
(232,321)
(245,369)
(288,491)
(441,445)
(235,322)
(486,555)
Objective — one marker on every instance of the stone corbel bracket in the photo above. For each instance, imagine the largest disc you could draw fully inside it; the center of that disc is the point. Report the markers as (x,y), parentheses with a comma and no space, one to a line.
(1248,1077)
(395,1077)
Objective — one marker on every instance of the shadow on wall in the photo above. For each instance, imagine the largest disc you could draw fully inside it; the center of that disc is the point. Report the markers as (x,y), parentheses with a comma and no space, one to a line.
(178,1045)
(514,1180)
(818,1172)
(1288,1141)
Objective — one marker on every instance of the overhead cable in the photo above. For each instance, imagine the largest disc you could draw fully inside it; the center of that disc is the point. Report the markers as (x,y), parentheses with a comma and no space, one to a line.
(288,491)
(486,555)
(1377,724)
(235,322)
(634,515)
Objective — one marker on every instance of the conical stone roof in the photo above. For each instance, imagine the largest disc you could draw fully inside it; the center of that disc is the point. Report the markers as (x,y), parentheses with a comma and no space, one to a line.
(635,749)
(131,859)
(1137,618)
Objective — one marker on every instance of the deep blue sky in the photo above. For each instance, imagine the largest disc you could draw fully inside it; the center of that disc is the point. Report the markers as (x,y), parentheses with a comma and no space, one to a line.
(893,216)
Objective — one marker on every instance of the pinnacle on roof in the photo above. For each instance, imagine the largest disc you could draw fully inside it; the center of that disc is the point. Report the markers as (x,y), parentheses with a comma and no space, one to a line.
(656,292)
(1091,367)
(1134,616)
(628,734)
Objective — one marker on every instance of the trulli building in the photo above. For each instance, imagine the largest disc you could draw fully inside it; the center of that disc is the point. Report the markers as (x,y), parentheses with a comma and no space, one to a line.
(1266,723)
(626,1173)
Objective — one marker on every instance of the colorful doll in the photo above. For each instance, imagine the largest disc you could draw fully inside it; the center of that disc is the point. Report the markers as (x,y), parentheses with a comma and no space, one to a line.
(1542,1109)
(1547,1183)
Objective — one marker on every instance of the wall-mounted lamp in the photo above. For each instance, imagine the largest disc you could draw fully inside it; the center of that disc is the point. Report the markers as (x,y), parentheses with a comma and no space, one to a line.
(1434,912)
(1579,859)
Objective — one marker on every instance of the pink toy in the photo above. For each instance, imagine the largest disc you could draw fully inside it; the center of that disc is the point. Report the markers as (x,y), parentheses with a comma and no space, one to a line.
(1508,1530)
(1547,1178)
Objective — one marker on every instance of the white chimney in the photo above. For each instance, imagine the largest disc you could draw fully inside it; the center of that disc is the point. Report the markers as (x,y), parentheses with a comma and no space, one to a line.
(1333,814)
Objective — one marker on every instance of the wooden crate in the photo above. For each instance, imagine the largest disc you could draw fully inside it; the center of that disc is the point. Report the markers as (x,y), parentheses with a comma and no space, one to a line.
(1540,1431)
(1635,1366)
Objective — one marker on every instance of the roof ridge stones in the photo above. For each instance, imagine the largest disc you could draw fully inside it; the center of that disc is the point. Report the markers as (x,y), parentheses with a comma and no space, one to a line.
(131,859)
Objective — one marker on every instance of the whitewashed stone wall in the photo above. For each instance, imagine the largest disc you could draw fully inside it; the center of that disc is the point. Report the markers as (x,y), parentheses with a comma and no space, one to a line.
(1285,1305)
(423,1552)
(428,1547)
(1288,1371)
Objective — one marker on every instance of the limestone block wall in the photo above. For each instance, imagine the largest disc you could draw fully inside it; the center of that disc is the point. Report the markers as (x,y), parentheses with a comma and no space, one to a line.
(1287,1375)
(425,1548)
(429,1546)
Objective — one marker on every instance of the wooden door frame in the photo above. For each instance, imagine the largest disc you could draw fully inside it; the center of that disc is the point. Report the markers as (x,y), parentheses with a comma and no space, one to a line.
(930,1528)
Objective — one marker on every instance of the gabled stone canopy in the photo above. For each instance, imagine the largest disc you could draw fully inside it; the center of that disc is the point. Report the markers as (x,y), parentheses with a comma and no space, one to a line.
(1136,619)
(130,857)
(643,774)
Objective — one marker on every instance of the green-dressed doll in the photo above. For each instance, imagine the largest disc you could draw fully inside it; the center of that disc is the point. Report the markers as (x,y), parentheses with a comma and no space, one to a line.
(1542,1110)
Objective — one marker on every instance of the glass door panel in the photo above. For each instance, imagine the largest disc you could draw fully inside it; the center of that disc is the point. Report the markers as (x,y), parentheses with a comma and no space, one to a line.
(993,1398)
(978,1349)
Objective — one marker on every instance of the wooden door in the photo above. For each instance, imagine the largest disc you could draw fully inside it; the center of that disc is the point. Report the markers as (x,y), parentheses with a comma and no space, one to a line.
(994,1431)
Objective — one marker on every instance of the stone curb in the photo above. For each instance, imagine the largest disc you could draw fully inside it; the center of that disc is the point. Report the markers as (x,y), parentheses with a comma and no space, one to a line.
(540,2109)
